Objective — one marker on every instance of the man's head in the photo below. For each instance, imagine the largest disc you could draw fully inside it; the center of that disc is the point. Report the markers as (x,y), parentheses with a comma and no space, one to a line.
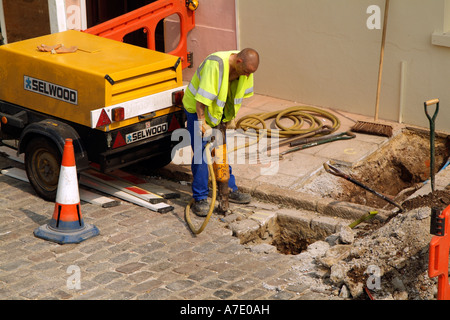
(247,62)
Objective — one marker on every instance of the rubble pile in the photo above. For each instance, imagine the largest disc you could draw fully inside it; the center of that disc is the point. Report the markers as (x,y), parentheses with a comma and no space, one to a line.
(390,262)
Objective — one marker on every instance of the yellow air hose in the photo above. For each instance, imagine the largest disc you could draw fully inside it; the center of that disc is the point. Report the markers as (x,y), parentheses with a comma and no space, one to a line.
(213,197)
(299,115)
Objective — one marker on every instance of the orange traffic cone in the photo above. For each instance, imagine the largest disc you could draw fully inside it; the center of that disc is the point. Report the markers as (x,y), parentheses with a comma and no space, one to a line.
(67,225)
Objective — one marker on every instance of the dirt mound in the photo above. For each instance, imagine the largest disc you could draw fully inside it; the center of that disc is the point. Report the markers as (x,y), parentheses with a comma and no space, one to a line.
(439,199)
(402,164)
(397,170)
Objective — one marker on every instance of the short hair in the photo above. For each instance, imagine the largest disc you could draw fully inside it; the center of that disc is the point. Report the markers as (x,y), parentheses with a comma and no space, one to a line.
(249,55)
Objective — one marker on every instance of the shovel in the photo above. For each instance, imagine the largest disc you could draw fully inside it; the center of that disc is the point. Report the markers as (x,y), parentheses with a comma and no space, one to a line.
(333,170)
(432,133)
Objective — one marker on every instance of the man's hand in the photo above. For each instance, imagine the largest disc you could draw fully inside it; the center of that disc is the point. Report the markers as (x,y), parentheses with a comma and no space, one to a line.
(206,130)
(231,124)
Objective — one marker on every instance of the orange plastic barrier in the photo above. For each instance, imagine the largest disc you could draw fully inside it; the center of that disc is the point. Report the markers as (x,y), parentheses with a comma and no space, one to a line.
(147,18)
(439,252)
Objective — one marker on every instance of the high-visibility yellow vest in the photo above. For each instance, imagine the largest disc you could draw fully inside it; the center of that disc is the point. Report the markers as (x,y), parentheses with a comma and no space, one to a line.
(210,85)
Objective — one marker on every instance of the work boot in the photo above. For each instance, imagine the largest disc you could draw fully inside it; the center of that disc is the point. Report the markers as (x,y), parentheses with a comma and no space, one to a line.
(201,208)
(239,197)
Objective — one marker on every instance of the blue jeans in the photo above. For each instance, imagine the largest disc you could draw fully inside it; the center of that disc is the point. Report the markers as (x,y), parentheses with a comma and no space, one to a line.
(199,166)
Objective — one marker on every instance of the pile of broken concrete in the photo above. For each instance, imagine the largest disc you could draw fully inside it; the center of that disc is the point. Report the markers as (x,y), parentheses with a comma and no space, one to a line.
(389,262)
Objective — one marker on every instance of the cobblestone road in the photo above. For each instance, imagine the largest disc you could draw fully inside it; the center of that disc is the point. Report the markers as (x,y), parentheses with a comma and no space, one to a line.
(139,254)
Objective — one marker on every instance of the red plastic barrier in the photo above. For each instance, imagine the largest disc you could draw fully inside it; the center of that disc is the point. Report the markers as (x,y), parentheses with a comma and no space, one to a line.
(439,254)
(147,18)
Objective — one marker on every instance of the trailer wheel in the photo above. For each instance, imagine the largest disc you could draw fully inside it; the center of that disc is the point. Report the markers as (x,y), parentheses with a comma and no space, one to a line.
(42,164)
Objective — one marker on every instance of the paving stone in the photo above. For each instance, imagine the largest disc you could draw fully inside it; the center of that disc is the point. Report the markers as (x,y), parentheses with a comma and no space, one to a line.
(283,295)
(91,295)
(106,277)
(231,275)
(130,267)
(41,256)
(222,294)
(124,295)
(118,285)
(161,267)
(140,276)
(69,257)
(180,285)
(184,256)
(234,248)
(146,286)
(149,247)
(252,294)
(194,293)
(12,265)
(188,268)
(94,246)
(6,294)
(213,284)
(242,285)
(265,273)
(40,289)
(297,288)
(60,295)
(120,237)
(98,267)
(170,239)
(202,274)
(99,256)
(123,257)
(156,294)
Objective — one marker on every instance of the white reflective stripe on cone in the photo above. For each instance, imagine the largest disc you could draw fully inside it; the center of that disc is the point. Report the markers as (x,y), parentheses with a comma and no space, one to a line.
(68,192)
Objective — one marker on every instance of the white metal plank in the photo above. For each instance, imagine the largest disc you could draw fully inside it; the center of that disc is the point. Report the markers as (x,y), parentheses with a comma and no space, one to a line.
(158,207)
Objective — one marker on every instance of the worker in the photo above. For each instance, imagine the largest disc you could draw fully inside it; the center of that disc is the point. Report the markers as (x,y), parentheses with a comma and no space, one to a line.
(214,96)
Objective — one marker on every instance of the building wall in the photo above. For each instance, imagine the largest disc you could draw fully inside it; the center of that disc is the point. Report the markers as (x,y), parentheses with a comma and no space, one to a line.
(317,52)
(215,30)
(321,52)
(23,19)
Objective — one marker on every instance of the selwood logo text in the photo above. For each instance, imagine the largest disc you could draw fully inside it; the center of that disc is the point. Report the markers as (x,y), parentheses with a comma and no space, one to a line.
(50,90)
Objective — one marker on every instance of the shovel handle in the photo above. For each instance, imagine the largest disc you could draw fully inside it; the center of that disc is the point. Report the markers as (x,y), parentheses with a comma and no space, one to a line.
(431,102)
(427,104)
(334,171)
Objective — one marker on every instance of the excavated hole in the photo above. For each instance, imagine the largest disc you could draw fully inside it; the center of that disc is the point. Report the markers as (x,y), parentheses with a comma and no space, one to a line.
(290,234)
(397,171)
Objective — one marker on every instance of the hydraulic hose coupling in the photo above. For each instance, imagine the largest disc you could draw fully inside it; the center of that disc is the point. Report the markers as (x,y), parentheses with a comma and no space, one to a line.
(192,4)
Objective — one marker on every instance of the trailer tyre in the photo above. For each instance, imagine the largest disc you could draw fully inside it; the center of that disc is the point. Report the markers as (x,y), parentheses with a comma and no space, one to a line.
(42,164)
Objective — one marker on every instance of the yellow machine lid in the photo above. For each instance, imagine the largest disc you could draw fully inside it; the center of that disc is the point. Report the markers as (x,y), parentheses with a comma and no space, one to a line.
(95,54)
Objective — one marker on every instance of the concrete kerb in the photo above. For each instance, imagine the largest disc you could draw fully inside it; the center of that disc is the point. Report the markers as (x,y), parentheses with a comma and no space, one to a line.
(300,200)
(284,197)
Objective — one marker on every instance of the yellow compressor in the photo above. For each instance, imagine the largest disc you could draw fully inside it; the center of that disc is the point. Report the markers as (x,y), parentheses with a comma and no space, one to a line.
(118,102)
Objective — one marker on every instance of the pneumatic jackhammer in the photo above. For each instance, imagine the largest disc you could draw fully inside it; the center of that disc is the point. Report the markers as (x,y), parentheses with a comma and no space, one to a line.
(221,170)
(218,168)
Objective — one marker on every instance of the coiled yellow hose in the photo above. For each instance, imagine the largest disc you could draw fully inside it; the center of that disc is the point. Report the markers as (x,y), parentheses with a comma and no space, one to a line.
(300,115)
